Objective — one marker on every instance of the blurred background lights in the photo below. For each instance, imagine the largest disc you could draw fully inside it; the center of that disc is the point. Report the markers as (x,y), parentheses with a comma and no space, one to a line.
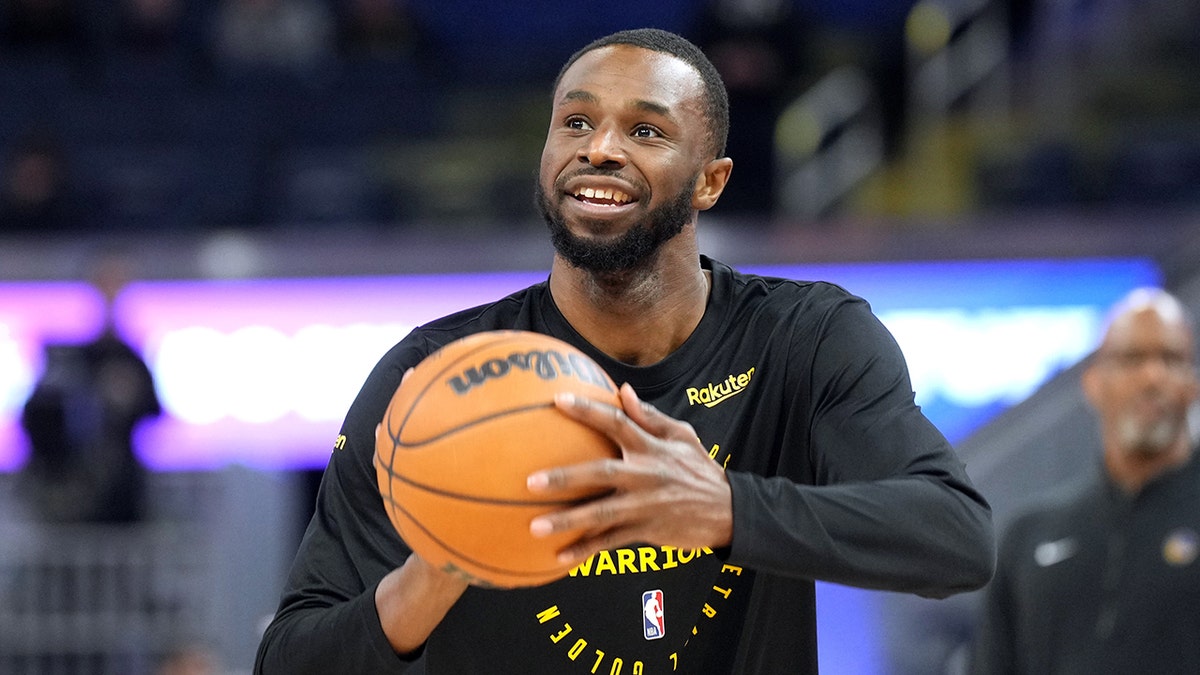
(928,27)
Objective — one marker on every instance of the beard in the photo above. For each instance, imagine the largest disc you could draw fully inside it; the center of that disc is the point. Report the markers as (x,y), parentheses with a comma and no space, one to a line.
(1150,438)
(632,250)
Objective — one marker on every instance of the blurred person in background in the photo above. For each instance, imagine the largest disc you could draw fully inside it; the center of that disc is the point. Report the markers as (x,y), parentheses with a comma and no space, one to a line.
(1105,578)
(80,420)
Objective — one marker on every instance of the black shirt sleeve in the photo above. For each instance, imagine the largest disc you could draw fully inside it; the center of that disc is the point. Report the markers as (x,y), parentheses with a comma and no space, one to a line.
(872,495)
(327,621)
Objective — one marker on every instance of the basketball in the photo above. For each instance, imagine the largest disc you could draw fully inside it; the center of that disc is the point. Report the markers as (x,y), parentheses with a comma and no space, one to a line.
(461,435)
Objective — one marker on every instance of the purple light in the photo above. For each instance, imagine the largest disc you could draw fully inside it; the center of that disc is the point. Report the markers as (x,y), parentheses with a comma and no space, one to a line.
(337,328)
(261,372)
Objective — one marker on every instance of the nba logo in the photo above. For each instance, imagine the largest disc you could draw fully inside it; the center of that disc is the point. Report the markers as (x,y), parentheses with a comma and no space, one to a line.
(652,615)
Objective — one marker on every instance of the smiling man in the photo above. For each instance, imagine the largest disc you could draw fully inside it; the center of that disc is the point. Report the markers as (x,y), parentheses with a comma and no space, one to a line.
(630,197)
(808,459)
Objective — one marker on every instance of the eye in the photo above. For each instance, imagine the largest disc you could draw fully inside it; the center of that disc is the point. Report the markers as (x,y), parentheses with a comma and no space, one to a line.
(1177,361)
(1135,359)
(578,123)
(646,131)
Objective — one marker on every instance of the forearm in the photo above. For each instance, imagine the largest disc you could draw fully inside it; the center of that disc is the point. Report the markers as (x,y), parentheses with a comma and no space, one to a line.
(380,631)
(412,600)
(911,533)
(343,638)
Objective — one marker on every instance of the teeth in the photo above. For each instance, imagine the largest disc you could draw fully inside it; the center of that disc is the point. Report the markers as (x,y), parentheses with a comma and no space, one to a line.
(608,194)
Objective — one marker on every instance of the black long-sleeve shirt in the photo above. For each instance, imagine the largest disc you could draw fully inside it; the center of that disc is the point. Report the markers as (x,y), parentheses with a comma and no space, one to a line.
(797,390)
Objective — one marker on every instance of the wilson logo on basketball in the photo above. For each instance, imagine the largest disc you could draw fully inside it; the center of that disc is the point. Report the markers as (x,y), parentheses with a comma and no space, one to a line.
(547,365)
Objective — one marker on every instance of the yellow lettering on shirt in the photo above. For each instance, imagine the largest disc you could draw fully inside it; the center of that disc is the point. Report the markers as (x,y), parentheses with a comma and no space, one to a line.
(577,649)
(547,614)
(637,561)
(557,637)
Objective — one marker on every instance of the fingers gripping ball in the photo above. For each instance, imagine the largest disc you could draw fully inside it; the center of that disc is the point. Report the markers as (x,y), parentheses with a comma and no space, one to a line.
(461,435)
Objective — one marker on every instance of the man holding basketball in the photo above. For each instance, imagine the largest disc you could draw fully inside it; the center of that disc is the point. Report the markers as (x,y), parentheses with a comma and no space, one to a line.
(768,434)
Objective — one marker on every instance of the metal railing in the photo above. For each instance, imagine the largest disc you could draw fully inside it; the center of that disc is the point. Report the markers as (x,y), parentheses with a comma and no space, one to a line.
(97,599)
(826,142)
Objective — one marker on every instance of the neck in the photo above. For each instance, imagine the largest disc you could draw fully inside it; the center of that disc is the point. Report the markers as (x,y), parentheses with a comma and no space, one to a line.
(640,316)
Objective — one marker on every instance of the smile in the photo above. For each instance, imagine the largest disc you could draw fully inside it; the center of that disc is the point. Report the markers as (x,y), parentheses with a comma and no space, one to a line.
(602,196)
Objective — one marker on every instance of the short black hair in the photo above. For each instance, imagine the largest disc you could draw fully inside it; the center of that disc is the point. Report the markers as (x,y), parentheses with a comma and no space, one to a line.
(716,105)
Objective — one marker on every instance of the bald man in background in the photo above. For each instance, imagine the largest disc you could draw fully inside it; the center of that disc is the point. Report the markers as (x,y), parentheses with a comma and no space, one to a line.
(1105,578)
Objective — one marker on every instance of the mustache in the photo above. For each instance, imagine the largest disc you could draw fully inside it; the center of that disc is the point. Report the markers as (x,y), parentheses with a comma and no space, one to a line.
(599,172)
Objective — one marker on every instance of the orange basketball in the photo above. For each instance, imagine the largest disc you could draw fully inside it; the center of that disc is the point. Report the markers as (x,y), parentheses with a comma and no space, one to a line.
(461,435)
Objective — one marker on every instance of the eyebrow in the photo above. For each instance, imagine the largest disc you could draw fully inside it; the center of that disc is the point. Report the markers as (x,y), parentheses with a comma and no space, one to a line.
(640,104)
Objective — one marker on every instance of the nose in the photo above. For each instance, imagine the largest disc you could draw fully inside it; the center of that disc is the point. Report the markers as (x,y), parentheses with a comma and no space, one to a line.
(1160,371)
(603,148)
(1152,374)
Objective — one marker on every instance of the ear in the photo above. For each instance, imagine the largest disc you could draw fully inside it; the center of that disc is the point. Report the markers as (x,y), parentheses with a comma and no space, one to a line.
(711,183)
(1193,387)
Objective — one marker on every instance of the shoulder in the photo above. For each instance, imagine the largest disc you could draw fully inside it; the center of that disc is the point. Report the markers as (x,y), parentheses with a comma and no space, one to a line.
(512,311)
(824,327)
(497,314)
(770,292)
(508,312)
(786,287)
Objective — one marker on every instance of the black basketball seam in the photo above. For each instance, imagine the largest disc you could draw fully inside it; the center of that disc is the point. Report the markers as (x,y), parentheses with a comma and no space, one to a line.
(390,468)
(516,336)
(454,551)
(486,500)
(395,438)
(392,459)
(461,427)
